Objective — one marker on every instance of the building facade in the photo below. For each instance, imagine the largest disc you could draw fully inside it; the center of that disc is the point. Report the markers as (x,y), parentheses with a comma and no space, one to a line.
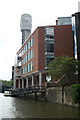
(76,32)
(39,50)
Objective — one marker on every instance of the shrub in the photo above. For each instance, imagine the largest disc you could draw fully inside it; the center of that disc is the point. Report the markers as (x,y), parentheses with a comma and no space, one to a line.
(75,90)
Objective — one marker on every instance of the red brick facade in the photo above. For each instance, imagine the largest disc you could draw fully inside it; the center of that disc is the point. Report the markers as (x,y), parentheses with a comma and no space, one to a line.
(63,41)
(63,46)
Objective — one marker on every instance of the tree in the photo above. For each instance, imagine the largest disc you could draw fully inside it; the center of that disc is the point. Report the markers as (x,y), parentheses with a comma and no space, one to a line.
(6,85)
(63,67)
(75,90)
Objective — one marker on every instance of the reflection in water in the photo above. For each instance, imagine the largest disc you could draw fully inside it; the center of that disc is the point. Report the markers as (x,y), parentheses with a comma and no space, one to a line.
(22,108)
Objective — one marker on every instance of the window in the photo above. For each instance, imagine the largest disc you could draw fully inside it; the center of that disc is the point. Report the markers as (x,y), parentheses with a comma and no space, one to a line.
(26,57)
(49,30)
(29,44)
(26,47)
(22,52)
(49,48)
(29,67)
(49,36)
(32,41)
(32,53)
(48,60)
(22,62)
(32,66)
(24,69)
(29,56)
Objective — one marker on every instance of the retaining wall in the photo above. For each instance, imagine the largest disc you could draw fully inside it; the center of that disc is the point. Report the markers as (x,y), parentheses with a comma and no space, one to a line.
(59,95)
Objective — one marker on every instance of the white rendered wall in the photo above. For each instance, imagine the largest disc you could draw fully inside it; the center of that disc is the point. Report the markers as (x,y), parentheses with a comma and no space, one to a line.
(25,22)
(79,6)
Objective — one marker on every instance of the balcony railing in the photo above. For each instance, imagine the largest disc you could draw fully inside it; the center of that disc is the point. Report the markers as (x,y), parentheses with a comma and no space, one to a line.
(49,39)
(19,67)
(49,53)
(19,58)
(18,73)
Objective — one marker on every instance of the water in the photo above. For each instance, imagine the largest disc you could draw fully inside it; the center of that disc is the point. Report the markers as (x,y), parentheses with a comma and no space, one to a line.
(11,107)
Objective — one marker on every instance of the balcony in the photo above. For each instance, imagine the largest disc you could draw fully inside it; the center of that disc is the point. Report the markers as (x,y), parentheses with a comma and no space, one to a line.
(49,39)
(18,67)
(49,30)
(18,74)
(19,59)
(49,53)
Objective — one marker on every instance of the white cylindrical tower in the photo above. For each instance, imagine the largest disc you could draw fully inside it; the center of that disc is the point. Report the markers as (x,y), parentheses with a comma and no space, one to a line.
(79,6)
(25,26)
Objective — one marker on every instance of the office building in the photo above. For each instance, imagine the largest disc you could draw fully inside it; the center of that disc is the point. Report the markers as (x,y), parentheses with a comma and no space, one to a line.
(39,49)
(76,31)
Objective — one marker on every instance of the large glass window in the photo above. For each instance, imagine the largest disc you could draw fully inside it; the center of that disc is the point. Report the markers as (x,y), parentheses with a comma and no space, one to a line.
(49,30)
(29,67)
(49,36)
(24,49)
(24,69)
(29,44)
(22,52)
(49,47)
(22,62)
(32,41)
(32,53)
(48,60)
(32,66)
(26,57)
(29,56)
(26,46)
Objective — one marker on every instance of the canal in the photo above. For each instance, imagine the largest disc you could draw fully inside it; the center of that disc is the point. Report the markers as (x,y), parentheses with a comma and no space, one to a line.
(11,107)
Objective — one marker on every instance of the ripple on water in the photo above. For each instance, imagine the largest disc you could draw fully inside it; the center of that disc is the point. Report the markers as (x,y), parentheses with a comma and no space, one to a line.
(11,107)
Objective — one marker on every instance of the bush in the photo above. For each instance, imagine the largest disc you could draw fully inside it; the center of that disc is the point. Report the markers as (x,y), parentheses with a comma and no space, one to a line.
(75,90)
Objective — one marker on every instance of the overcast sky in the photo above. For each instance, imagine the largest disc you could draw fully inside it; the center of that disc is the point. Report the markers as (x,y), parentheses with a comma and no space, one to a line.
(43,12)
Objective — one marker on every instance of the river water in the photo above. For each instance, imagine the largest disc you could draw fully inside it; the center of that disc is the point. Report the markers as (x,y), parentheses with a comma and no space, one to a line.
(11,107)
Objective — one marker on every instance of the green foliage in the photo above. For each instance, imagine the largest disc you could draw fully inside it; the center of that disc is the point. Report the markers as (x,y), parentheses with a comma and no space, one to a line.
(7,83)
(75,90)
(63,66)
(55,68)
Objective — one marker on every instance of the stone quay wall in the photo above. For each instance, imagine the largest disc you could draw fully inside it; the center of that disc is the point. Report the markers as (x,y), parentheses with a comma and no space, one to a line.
(59,95)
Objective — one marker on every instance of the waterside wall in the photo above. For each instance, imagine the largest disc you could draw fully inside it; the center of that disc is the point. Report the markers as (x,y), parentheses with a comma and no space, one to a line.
(59,95)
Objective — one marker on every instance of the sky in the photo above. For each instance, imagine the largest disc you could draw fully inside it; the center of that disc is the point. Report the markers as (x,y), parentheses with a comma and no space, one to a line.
(43,12)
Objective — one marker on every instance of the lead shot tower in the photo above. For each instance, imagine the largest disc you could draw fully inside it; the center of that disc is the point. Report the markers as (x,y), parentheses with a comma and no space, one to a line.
(25,26)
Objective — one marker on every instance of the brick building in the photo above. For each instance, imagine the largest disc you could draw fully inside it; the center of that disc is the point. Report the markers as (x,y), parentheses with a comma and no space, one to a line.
(39,49)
